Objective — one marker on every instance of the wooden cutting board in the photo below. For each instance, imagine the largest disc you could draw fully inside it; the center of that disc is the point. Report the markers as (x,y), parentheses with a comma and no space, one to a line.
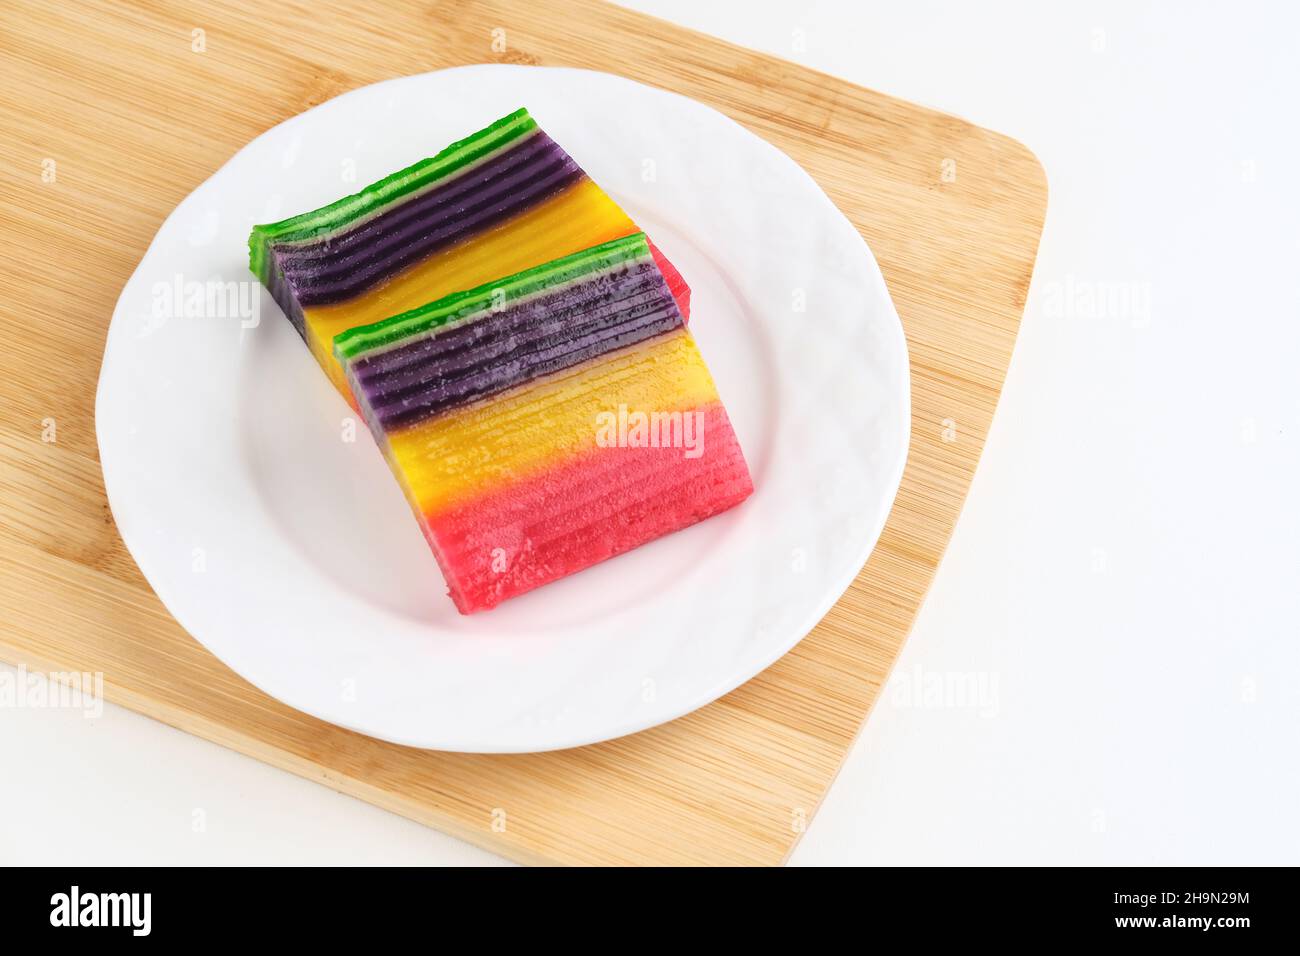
(112,114)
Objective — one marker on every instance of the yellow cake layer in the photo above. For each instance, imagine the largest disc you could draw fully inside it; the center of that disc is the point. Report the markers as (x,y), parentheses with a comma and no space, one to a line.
(447,460)
(575,219)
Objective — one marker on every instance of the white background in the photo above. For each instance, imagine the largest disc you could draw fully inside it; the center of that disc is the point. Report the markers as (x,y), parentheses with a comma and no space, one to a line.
(1122,595)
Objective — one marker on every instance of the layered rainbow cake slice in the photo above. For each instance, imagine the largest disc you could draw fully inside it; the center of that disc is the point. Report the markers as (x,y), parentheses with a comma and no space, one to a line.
(500,201)
(547,421)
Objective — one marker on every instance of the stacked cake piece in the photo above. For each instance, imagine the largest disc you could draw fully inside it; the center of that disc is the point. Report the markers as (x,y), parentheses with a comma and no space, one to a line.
(504,412)
(497,202)
(520,353)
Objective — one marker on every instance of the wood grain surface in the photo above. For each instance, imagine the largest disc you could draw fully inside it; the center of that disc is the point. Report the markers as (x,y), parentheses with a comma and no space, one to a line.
(113,113)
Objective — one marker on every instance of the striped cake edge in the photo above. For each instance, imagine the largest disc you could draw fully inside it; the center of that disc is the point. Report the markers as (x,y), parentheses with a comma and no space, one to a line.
(395,186)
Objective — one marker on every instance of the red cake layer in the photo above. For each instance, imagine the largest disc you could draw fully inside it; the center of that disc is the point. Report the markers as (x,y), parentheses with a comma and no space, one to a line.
(676,284)
(594,505)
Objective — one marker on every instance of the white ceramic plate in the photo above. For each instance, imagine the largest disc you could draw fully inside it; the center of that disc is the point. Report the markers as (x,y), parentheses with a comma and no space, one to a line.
(288,550)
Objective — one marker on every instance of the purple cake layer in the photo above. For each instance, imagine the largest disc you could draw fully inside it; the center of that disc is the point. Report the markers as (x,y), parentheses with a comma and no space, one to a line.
(536,337)
(491,379)
(341,273)
(283,296)
(541,310)
(537,148)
